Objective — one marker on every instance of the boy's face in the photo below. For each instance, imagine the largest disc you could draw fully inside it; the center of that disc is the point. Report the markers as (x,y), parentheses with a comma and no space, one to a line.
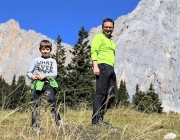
(45,52)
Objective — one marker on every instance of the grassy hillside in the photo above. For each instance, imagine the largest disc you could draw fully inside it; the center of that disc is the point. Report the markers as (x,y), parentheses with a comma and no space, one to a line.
(128,123)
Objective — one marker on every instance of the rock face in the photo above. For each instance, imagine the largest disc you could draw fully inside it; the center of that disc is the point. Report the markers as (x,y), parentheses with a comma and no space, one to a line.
(18,48)
(148,49)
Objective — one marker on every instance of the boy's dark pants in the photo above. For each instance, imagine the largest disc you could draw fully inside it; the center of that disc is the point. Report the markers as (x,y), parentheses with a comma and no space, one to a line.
(47,91)
(105,91)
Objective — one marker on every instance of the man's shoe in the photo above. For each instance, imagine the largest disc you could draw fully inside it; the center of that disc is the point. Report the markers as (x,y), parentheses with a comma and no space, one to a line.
(62,123)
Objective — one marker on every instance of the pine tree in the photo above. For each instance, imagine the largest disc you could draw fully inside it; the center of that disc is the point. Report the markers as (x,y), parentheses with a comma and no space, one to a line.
(155,105)
(12,90)
(140,100)
(4,92)
(116,100)
(147,102)
(81,85)
(13,84)
(18,94)
(22,90)
(137,98)
(61,79)
(123,94)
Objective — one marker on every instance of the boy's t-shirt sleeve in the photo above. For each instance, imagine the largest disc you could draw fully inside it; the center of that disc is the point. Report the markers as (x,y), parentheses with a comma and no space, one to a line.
(31,69)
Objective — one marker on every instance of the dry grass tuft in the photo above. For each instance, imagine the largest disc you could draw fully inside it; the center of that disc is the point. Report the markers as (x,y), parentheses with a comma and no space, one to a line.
(130,125)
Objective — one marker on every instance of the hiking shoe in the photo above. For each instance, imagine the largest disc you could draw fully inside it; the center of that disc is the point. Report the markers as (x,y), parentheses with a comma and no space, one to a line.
(62,123)
(36,129)
(102,123)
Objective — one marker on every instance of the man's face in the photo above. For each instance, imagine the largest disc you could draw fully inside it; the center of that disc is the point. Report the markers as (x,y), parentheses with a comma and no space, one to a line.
(108,28)
(45,52)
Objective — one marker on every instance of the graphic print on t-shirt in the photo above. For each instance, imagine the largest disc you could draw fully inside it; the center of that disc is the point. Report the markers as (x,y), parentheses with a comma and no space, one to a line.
(44,66)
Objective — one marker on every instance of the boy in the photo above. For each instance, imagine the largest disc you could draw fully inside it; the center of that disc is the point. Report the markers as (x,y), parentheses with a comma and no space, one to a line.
(42,70)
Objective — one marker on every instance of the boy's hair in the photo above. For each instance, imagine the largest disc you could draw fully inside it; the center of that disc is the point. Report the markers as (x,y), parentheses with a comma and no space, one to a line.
(108,20)
(46,44)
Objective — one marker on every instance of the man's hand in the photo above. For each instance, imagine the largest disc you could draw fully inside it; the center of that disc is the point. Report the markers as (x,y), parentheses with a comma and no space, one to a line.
(96,70)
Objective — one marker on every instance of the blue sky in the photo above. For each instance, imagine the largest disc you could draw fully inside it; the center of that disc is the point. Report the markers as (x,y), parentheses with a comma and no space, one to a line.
(63,17)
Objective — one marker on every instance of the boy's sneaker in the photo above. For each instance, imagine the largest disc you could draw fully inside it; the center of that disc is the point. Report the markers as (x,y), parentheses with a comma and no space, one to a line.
(102,123)
(36,129)
(62,123)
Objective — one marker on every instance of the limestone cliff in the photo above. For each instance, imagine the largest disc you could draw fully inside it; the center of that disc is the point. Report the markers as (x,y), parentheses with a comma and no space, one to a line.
(148,48)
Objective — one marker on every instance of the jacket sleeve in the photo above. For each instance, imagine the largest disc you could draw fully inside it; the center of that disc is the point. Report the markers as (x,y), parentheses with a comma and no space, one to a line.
(95,46)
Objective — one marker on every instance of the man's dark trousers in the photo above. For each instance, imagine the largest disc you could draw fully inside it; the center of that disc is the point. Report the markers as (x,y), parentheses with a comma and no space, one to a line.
(105,91)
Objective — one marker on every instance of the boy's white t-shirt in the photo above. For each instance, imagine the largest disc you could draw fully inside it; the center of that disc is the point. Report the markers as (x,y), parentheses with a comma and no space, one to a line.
(40,65)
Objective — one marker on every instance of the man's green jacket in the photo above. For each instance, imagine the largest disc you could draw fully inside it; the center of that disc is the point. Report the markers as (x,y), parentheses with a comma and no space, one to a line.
(103,49)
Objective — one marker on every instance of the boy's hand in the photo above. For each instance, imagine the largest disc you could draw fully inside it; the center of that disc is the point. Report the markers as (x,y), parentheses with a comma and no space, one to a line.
(34,77)
(40,77)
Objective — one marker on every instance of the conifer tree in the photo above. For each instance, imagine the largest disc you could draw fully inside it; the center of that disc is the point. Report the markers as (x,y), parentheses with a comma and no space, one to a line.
(4,92)
(147,102)
(18,94)
(155,105)
(116,100)
(137,97)
(61,79)
(22,90)
(123,94)
(81,83)
(12,89)
(13,84)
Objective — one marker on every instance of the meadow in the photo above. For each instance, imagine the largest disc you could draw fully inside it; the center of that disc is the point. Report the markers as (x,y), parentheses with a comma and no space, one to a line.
(127,124)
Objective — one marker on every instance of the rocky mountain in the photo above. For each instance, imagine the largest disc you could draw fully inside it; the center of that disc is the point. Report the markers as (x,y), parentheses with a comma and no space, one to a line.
(18,48)
(148,49)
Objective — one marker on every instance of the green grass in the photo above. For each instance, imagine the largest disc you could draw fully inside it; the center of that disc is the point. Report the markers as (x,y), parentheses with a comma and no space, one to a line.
(130,125)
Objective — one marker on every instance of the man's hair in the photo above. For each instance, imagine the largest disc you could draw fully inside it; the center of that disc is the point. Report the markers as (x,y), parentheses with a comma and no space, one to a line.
(108,20)
(46,44)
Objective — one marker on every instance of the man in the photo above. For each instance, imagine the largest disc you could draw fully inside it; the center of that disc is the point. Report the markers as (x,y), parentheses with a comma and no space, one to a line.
(103,57)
